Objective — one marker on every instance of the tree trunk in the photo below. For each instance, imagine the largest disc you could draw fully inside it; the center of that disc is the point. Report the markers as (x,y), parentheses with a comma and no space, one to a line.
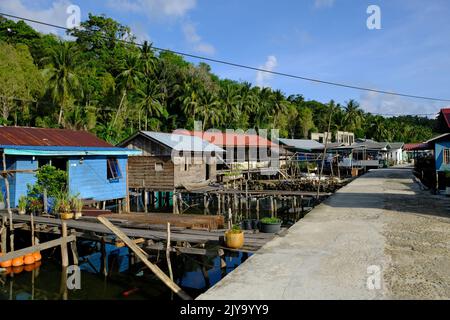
(120,107)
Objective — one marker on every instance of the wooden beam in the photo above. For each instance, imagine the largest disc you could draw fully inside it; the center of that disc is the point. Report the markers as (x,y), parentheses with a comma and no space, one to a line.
(64,253)
(39,247)
(138,251)
(8,205)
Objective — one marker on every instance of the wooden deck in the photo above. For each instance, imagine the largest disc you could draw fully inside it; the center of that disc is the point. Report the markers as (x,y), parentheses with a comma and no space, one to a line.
(89,227)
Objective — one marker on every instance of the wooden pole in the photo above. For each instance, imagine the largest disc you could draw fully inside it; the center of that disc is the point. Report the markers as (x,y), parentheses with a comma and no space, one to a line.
(8,204)
(138,251)
(32,229)
(257,209)
(104,262)
(146,201)
(175,203)
(73,247)
(127,200)
(4,236)
(219,203)
(168,249)
(64,255)
(272,208)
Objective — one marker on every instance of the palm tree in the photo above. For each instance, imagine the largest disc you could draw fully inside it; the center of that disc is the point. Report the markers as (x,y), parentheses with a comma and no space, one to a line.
(209,107)
(148,99)
(128,79)
(230,99)
(354,116)
(61,72)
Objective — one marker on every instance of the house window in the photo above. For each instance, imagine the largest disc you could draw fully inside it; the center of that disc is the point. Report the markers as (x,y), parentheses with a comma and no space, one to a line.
(446,156)
(159,167)
(113,169)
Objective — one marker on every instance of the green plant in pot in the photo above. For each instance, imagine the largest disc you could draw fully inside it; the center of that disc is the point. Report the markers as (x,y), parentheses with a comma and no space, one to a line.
(270,225)
(22,205)
(234,238)
(62,206)
(77,206)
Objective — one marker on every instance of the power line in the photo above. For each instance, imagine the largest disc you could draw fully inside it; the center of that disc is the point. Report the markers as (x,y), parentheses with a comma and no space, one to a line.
(237,65)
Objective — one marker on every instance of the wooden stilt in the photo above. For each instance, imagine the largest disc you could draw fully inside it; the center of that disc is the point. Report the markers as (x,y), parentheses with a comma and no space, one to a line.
(168,249)
(104,262)
(73,248)
(4,235)
(146,201)
(64,255)
(219,205)
(8,204)
(272,209)
(175,203)
(257,209)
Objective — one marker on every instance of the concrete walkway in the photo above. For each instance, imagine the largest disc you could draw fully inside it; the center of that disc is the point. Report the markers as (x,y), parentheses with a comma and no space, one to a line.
(383,220)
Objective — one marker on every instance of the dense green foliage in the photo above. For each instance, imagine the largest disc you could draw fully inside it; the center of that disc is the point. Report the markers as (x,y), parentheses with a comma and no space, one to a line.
(51,179)
(99,83)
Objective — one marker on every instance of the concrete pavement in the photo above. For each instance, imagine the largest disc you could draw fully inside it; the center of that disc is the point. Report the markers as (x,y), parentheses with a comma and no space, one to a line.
(381,221)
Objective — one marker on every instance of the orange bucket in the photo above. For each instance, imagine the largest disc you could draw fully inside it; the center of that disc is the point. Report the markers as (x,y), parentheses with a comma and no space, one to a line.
(5,264)
(29,259)
(17,262)
(37,256)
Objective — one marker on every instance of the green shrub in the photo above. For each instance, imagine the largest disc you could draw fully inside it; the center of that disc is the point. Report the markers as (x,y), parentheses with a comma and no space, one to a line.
(51,179)
(23,202)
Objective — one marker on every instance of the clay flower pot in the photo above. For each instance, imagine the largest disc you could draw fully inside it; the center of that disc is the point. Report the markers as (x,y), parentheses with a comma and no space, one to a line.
(234,240)
(67,216)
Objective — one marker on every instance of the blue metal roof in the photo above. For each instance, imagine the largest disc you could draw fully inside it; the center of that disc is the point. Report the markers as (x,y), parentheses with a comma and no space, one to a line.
(65,151)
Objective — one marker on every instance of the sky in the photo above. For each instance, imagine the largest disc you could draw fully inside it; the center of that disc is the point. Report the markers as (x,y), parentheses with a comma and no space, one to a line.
(321,39)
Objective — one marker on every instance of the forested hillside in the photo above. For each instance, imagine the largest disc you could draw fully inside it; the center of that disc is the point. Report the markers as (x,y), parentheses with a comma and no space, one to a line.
(112,88)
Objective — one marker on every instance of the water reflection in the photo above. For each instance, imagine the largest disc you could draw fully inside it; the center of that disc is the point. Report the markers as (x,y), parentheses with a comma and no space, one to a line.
(48,281)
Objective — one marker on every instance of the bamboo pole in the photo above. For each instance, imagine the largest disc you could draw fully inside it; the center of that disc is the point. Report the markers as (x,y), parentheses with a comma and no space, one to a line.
(138,251)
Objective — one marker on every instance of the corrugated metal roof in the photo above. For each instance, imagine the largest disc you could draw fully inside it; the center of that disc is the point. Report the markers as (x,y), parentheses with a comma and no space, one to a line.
(228,139)
(396,145)
(417,147)
(446,113)
(25,136)
(299,144)
(183,142)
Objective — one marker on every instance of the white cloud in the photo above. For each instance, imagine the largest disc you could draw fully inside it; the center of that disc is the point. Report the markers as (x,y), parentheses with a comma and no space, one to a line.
(263,77)
(55,14)
(323,3)
(385,104)
(155,8)
(196,41)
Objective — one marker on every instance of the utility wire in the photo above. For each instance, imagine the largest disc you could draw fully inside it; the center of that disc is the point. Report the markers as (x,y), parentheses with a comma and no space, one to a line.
(237,65)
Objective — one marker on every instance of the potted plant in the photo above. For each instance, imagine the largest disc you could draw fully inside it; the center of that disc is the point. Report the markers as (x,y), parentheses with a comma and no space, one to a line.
(270,225)
(77,207)
(234,238)
(62,206)
(22,205)
(35,205)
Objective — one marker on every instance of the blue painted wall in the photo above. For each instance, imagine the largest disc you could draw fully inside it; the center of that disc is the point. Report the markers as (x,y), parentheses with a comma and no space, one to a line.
(439,155)
(89,179)
(23,179)
(10,165)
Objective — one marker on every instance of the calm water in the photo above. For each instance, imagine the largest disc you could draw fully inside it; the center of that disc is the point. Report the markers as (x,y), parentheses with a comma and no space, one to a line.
(195,274)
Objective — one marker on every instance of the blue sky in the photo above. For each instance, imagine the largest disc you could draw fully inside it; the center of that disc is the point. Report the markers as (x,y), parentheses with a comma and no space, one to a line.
(325,39)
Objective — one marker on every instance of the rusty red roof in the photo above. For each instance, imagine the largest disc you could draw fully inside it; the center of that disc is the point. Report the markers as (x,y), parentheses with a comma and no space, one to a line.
(446,115)
(25,136)
(417,147)
(224,140)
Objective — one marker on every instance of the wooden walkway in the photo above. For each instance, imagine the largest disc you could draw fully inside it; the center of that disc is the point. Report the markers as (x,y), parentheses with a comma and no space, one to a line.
(89,227)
